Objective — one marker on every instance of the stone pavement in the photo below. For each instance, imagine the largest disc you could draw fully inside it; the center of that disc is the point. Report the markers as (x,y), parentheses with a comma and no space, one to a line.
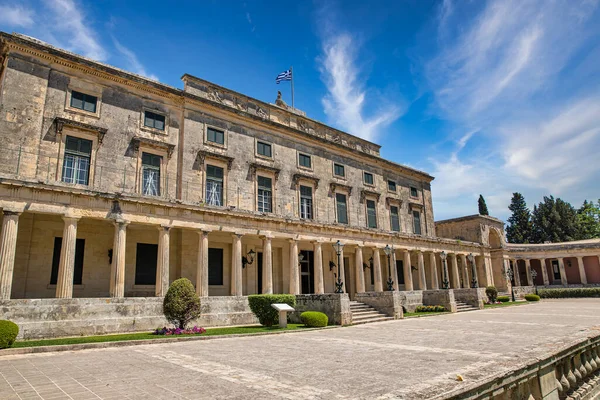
(408,359)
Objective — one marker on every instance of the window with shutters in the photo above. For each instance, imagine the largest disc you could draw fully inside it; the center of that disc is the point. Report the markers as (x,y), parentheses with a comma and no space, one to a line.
(154,120)
(342,208)
(339,170)
(414,192)
(394,218)
(368,178)
(84,101)
(391,186)
(214,185)
(264,149)
(151,174)
(304,160)
(417,222)
(265,194)
(371,214)
(215,136)
(77,159)
(306,202)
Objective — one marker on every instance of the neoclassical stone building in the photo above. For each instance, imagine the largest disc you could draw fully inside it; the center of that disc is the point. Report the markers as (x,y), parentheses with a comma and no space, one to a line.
(113,185)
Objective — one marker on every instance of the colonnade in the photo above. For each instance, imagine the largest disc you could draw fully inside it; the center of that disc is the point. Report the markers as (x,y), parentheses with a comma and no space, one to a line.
(545,277)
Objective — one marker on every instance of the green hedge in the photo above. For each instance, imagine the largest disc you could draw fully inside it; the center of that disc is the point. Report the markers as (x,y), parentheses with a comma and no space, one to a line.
(532,297)
(569,292)
(8,333)
(492,293)
(260,304)
(503,299)
(430,309)
(181,304)
(314,319)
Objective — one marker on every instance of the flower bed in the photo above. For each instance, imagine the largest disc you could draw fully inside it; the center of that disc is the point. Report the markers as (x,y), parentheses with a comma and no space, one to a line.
(178,331)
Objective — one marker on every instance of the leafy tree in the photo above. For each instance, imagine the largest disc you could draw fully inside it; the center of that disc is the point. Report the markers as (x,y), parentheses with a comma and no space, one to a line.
(588,220)
(483,210)
(554,221)
(181,304)
(519,229)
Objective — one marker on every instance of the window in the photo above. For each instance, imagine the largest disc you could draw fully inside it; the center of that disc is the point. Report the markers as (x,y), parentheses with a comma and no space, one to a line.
(215,267)
(145,264)
(76,163)
(371,214)
(391,186)
(417,222)
(154,120)
(555,270)
(78,273)
(304,160)
(215,136)
(413,192)
(214,185)
(368,178)
(264,149)
(265,195)
(342,208)
(394,218)
(339,170)
(306,207)
(84,101)
(151,174)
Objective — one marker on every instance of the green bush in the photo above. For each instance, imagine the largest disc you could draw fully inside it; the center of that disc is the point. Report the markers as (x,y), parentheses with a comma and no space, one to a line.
(532,297)
(181,304)
(260,304)
(8,333)
(314,319)
(492,293)
(503,299)
(430,309)
(569,292)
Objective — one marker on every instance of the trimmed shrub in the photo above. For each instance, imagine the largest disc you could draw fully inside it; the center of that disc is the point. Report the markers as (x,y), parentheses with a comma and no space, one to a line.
(430,309)
(8,333)
(492,293)
(532,297)
(569,293)
(181,304)
(314,319)
(503,299)
(260,304)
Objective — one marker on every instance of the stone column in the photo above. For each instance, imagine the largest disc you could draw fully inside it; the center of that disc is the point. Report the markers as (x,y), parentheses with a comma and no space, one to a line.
(435,284)
(528,272)
(117,275)
(408,281)
(582,270)
(236,265)
(465,270)
(267,266)
(66,266)
(294,268)
(421,265)
(359,270)
(162,262)
(489,271)
(343,271)
(544,271)
(480,266)
(455,275)
(563,272)
(394,269)
(516,272)
(377,271)
(8,248)
(319,286)
(202,265)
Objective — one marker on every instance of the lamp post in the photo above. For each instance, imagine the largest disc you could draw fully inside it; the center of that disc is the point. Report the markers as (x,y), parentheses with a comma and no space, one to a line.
(445,281)
(474,283)
(533,276)
(388,252)
(339,247)
(509,275)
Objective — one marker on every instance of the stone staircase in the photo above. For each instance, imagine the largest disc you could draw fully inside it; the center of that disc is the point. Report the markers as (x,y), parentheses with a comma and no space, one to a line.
(463,307)
(363,314)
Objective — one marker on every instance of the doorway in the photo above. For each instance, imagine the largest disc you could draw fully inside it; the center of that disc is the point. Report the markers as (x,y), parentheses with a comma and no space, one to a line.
(259,272)
(307,271)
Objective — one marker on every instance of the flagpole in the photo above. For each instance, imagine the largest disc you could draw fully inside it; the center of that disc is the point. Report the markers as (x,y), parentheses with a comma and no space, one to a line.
(292,71)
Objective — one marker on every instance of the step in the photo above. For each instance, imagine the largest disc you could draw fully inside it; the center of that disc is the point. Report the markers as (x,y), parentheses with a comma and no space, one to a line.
(367,321)
(366,312)
(360,307)
(370,316)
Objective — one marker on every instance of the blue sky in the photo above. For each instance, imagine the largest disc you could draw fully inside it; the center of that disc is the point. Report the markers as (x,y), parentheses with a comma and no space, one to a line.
(490,97)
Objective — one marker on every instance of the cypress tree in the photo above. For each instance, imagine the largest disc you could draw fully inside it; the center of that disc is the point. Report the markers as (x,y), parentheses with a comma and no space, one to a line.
(519,228)
(483,210)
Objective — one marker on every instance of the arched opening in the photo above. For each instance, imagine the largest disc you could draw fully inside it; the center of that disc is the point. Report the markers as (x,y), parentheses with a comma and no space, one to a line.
(494,239)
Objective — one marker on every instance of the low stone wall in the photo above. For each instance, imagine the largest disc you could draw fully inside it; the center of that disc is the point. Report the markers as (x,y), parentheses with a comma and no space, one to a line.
(440,297)
(473,297)
(521,291)
(411,299)
(389,303)
(336,306)
(47,318)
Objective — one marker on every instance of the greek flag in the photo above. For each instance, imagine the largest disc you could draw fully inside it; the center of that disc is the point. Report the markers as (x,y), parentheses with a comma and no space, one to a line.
(284,76)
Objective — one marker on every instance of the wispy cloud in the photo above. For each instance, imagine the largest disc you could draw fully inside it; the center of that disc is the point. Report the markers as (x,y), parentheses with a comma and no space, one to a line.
(132,62)
(16,15)
(506,77)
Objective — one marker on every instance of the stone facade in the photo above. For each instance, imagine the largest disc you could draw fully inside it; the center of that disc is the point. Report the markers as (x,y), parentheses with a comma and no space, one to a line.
(389,303)
(335,306)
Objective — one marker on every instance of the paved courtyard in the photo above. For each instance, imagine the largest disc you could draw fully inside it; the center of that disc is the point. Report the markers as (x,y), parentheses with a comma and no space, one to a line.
(412,358)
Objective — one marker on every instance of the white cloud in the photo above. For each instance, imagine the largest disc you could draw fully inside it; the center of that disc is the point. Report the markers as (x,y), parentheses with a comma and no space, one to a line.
(346,99)
(132,61)
(16,16)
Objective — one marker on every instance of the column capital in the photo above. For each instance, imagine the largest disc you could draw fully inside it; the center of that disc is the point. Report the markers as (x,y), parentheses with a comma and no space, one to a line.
(204,232)
(11,213)
(121,222)
(70,218)
(238,235)
(268,237)
(164,227)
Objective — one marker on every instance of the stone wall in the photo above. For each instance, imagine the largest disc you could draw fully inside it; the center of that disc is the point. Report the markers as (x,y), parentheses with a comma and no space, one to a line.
(440,297)
(389,303)
(521,291)
(335,306)
(46,318)
(473,297)
(411,299)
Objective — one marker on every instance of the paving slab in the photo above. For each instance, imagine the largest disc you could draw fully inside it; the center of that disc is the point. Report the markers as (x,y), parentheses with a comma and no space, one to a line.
(404,359)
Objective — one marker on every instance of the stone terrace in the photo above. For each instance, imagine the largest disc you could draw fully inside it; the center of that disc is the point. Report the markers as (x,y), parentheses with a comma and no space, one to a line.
(409,359)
